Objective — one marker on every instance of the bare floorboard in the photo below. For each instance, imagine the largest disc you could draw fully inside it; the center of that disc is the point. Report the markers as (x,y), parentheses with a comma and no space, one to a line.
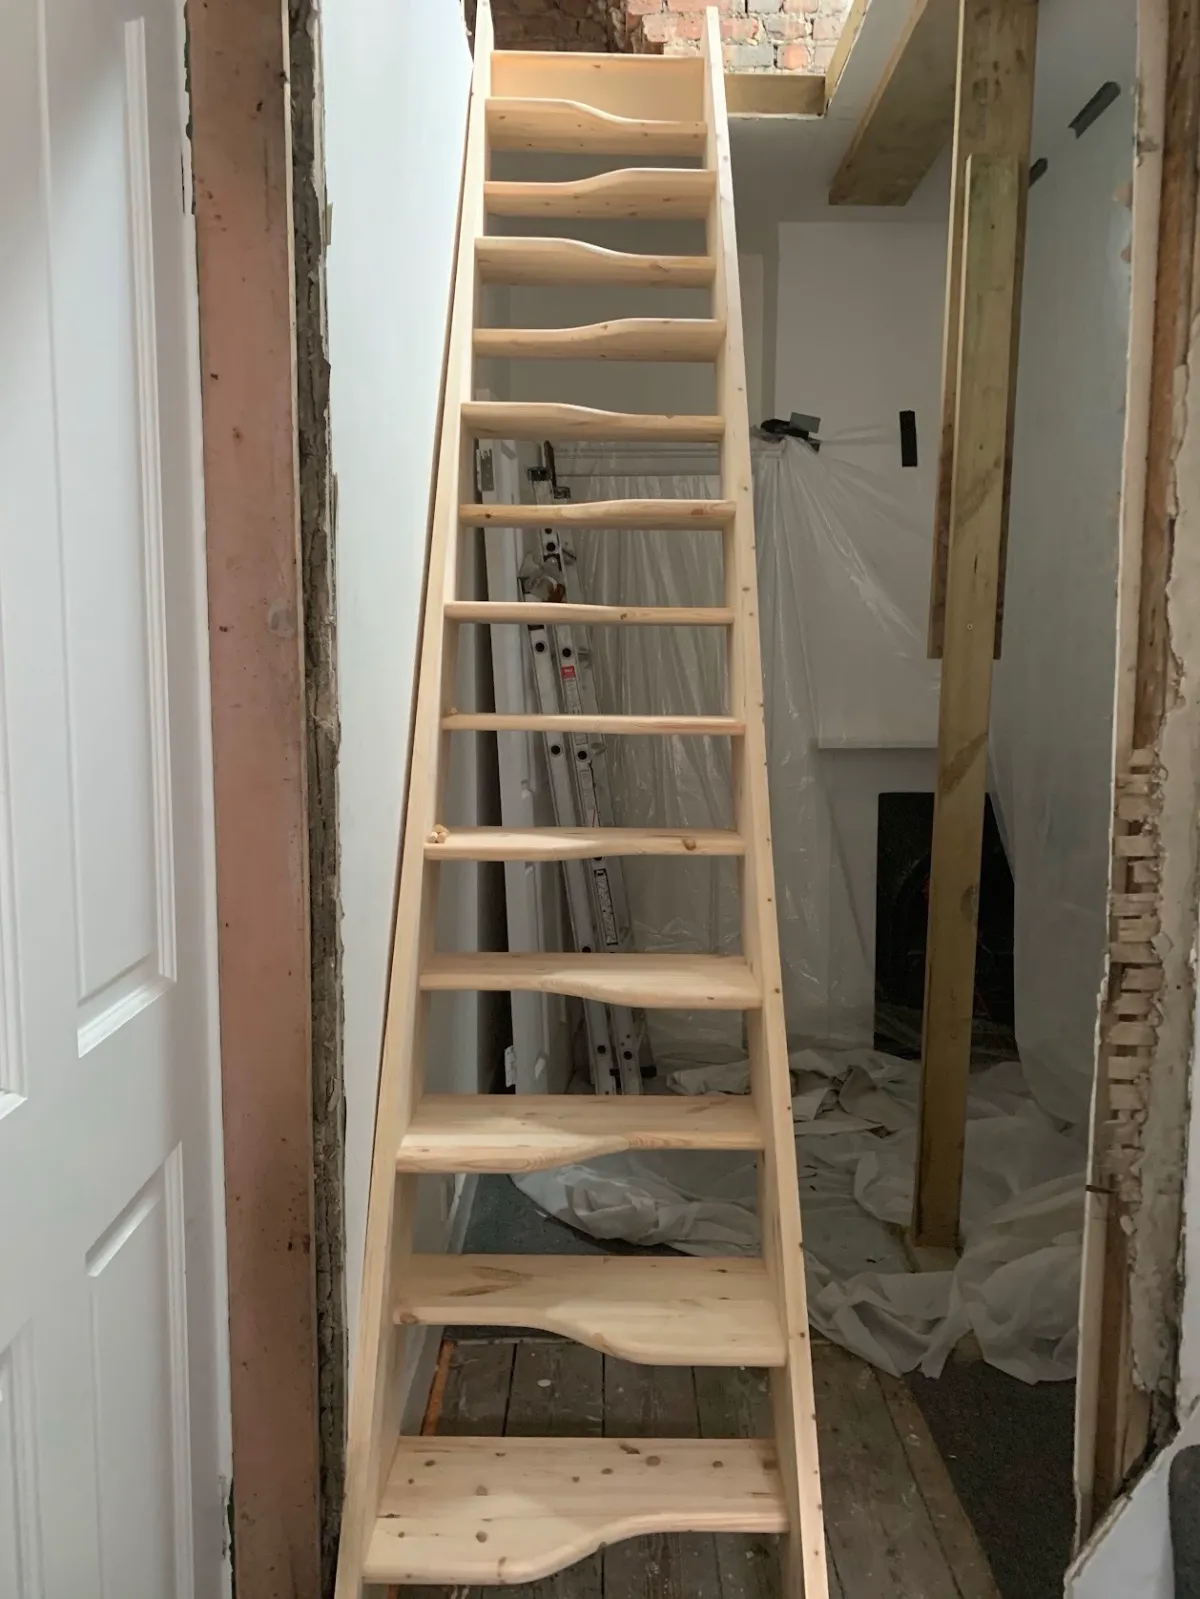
(896,1529)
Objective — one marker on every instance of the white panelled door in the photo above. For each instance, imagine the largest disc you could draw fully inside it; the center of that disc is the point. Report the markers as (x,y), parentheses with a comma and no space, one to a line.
(113,1399)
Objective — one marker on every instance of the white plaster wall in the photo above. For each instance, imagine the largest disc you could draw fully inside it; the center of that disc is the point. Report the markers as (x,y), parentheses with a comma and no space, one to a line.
(1051,741)
(396,87)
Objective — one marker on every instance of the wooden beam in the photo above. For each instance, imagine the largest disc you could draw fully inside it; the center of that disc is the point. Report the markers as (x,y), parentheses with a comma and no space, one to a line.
(993,116)
(775,94)
(841,52)
(992,204)
(911,114)
(241,153)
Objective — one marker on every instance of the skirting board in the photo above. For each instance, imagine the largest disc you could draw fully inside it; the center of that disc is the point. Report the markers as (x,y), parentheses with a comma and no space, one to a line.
(426,1341)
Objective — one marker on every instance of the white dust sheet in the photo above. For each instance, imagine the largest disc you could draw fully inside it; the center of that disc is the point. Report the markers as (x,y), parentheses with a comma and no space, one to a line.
(1016,1286)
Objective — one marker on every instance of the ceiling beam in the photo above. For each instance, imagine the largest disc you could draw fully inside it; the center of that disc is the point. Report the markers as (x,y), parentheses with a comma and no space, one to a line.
(911,115)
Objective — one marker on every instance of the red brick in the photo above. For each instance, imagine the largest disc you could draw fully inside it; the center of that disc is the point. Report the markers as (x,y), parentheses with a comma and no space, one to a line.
(786,29)
(796,57)
(688,5)
(800,5)
(743,30)
(642,8)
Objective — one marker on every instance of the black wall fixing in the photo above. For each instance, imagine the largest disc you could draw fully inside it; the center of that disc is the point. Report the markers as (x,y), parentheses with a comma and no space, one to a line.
(908,438)
(798,426)
(1038,170)
(1096,107)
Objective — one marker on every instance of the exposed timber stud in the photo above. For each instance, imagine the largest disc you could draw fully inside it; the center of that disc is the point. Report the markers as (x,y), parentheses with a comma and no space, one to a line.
(993,115)
(981,434)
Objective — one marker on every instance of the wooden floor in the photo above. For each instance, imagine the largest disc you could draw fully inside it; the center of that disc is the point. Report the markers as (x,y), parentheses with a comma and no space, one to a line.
(895,1527)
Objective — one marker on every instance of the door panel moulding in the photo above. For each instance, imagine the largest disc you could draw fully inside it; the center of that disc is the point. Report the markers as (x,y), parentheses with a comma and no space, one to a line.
(1129,1315)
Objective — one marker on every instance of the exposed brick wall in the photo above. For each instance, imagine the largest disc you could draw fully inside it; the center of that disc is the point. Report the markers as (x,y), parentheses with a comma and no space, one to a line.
(760,35)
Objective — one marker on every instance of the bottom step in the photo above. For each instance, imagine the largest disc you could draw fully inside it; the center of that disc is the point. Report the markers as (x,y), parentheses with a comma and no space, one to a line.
(509,1510)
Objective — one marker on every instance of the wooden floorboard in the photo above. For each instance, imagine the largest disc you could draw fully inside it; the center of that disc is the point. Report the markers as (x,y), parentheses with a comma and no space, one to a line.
(895,1527)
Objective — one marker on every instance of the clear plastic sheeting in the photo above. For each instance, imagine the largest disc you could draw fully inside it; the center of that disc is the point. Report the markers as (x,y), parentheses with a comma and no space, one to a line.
(1016,1286)
(843,581)
(844,664)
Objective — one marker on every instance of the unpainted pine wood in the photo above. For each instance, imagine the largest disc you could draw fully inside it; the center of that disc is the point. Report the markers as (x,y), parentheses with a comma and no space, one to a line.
(577,843)
(643,338)
(911,114)
(775,94)
(566,125)
(881,1536)
(511,259)
(474,1405)
(736,1403)
(841,53)
(561,614)
(633,192)
(536,419)
(629,726)
(678,982)
(964,1556)
(375,1389)
(624,85)
(664,515)
(676,1310)
(559,1388)
(533,1132)
(794,1427)
(981,438)
(656,1402)
(993,115)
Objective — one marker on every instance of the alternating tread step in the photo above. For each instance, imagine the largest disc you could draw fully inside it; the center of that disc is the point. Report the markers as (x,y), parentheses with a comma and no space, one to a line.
(649,515)
(671,1311)
(576,843)
(511,1510)
(626,339)
(672,982)
(533,722)
(534,1132)
(529,419)
(683,192)
(504,259)
(531,612)
(569,125)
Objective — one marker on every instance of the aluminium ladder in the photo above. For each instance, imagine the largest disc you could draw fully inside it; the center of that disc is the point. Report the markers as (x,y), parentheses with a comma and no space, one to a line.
(430,1510)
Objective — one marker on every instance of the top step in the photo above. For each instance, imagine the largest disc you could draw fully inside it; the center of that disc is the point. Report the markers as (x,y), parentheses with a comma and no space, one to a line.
(566,125)
(658,87)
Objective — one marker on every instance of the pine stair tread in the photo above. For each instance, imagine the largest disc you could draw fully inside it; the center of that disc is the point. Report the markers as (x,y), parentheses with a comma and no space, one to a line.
(661,1311)
(577,843)
(570,125)
(529,613)
(511,1510)
(646,338)
(647,515)
(536,1132)
(630,192)
(533,419)
(512,259)
(673,982)
(535,722)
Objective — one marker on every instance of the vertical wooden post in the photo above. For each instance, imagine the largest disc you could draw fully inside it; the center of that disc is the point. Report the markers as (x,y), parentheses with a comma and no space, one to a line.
(981,442)
(993,115)
(241,155)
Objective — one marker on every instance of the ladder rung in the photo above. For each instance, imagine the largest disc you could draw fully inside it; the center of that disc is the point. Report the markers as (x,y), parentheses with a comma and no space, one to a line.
(525,419)
(534,1132)
(534,722)
(631,192)
(570,125)
(531,612)
(674,1311)
(671,515)
(503,259)
(665,982)
(511,1510)
(576,843)
(627,85)
(628,339)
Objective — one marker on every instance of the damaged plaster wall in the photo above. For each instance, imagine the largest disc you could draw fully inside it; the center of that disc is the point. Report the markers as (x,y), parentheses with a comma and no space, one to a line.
(320,671)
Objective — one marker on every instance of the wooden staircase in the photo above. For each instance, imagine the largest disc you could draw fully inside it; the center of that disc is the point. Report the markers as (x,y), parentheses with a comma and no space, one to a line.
(504,1511)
